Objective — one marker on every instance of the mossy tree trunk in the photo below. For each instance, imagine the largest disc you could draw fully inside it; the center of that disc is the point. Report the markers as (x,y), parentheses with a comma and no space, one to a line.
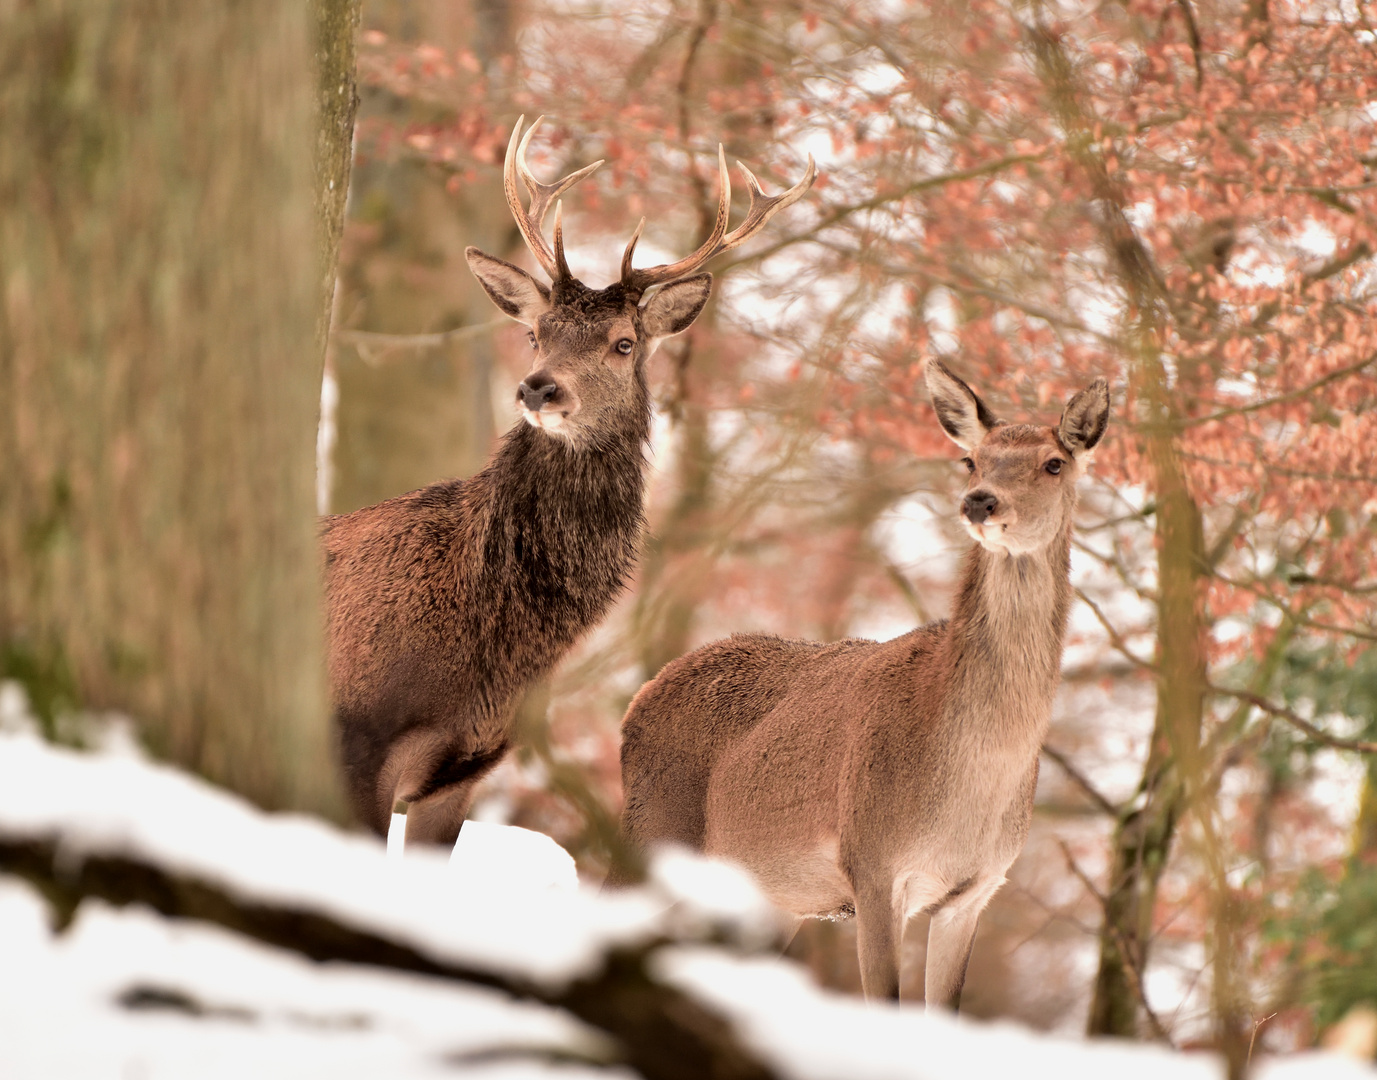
(160,289)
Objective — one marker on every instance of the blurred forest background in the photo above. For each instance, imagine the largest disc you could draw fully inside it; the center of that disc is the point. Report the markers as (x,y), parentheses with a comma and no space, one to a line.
(1180,195)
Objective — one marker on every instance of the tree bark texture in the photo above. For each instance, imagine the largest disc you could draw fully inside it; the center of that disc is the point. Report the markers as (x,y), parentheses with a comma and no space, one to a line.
(158,381)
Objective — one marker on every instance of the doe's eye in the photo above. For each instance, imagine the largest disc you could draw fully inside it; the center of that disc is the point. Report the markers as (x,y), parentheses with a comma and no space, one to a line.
(970,465)
(1054,466)
(532,339)
(625,346)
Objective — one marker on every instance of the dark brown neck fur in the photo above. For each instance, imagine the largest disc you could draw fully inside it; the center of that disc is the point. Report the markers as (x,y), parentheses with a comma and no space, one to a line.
(446,604)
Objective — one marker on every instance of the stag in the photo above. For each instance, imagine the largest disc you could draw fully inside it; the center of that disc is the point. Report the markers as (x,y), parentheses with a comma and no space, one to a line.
(884,779)
(444,605)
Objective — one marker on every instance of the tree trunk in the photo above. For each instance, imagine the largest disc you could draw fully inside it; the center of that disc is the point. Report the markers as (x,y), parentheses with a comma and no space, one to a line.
(1143,837)
(158,298)
(1172,776)
(411,415)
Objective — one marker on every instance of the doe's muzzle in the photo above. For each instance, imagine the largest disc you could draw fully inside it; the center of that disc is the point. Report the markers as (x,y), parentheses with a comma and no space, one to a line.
(978,506)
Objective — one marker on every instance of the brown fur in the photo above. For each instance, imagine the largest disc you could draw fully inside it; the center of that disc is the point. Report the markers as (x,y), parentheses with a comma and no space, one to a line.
(884,778)
(446,604)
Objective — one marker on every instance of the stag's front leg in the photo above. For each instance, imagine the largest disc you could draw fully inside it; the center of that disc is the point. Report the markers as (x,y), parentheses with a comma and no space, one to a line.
(951,936)
(877,941)
(437,818)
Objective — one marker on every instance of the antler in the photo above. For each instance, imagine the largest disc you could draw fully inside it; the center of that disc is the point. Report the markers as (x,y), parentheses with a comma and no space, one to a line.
(530,221)
(763,207)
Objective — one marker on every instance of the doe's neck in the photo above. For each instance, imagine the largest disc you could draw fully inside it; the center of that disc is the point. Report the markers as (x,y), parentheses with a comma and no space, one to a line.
(1009,622)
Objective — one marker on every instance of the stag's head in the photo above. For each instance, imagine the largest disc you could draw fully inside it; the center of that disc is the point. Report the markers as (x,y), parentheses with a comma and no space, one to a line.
(1022,490)
(589,346)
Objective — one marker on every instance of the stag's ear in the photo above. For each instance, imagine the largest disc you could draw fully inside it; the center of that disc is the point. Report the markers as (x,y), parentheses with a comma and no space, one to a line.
(1086,416)
(674,307)
(513,290)
(963,416)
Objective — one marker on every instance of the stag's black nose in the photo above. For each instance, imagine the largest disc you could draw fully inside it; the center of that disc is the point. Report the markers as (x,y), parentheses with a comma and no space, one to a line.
(978,506)
(536,390)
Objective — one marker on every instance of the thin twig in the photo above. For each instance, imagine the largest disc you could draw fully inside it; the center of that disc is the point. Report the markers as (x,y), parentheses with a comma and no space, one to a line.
(1280,399)
(1362,746)
(1115,638)
(1257,1025)
(415,341)
(1126,954)
(1080,780)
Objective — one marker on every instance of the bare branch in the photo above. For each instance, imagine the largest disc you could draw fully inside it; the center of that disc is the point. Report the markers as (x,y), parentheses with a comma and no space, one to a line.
(1079,779)
(370,339)
(1125,953)
(1115,638)
(840,213)
(1361,746)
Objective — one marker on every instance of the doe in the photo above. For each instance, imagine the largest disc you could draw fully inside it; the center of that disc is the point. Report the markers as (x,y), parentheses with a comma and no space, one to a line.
(884,779)
(446,604)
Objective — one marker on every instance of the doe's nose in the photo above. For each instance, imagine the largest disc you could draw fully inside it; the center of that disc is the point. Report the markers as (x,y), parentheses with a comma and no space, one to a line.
(537,389)
(978,506)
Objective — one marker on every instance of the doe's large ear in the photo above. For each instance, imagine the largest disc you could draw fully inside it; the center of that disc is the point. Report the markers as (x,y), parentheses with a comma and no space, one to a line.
(513,290)
(1086,416)
(674,307)
(963,416)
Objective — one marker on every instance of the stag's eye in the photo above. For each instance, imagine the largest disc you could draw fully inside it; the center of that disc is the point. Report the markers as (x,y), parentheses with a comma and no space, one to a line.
(625,346)
(970,465)
(1054,466)
(532,339)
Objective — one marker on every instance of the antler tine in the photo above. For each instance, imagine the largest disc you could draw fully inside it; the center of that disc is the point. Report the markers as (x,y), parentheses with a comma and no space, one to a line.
(658,275)
(762,208)
(529,221)
(630,250)
(560,264)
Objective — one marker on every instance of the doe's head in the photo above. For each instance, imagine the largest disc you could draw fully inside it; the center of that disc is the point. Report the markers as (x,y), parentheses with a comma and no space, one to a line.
(1022,488)
(589,346)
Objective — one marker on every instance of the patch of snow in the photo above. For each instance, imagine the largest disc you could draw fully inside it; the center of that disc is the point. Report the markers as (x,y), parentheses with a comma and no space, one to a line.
(713,896)
(124,993)
(151,810)
(16,718)
(811,1034)
(521,859)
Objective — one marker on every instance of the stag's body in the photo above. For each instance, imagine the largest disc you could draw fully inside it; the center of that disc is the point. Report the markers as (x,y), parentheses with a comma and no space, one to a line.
(880,778)
(446,604)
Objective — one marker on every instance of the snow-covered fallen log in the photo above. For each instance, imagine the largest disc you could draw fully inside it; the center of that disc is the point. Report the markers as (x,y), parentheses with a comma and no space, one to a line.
(423,967)
(121,830)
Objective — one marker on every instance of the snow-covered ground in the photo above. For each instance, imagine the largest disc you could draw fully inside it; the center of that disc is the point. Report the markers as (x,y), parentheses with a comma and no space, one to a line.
(129,993)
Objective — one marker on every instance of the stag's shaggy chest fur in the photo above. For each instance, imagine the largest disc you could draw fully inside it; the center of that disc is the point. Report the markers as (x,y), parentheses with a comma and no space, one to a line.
(446,603)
